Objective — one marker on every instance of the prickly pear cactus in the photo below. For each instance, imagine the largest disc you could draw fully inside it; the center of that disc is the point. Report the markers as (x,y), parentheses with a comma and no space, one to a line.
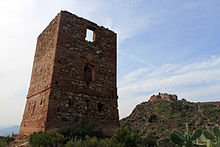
(215,139)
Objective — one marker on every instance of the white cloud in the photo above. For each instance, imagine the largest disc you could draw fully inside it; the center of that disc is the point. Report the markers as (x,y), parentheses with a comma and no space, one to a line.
(211,63)
(132,76)
(137,59)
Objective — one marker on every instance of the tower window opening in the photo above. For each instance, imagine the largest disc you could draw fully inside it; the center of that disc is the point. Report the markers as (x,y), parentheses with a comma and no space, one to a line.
(100,107)
(70,102)
(90,35)
(88,74)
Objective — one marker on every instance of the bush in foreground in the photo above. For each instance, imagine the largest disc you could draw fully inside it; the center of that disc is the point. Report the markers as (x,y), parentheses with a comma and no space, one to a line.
(81,131)
(3,143)
(46,139)
(93,142)
(128,137)
(69,137)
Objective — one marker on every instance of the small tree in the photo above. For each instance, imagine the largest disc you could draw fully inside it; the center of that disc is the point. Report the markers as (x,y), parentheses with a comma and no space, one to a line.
(128,137)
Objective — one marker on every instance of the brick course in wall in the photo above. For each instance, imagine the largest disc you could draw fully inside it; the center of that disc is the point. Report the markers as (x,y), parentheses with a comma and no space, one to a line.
(72,79)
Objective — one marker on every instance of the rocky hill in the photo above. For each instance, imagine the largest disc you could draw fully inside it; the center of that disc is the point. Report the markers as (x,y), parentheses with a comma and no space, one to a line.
(165,112)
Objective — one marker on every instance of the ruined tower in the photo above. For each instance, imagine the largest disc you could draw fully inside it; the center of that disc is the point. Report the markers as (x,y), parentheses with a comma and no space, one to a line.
(72,79)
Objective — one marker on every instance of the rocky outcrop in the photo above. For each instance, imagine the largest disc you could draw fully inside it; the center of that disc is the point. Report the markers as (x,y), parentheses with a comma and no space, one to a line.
(163,96)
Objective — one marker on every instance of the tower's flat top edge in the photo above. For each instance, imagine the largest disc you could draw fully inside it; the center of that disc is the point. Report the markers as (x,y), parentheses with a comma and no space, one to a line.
(67,12)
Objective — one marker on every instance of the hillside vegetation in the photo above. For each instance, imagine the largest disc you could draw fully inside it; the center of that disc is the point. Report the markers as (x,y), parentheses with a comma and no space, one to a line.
(154,117)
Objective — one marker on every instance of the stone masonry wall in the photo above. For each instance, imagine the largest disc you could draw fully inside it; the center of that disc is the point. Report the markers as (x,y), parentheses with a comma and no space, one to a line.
(76,95)
(81,76)
(163,96)
(36,108)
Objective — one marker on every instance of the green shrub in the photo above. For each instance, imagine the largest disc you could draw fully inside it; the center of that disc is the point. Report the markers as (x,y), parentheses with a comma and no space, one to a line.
(75,143)
(111,143)
(81,131)
(150,140)
(152,118)
(92,142)
(3,143)
(126,136)
(45,139)
(5,140)
(8,139)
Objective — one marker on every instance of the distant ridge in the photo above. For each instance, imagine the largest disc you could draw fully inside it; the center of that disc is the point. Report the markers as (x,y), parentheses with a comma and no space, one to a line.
(9,130)
(217,103)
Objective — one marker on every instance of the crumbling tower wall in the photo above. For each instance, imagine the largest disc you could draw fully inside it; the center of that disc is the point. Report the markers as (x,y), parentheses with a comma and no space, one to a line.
(72,79)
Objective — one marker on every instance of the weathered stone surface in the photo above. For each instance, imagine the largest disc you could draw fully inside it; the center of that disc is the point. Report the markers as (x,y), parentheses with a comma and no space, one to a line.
(72,79)
(163,96)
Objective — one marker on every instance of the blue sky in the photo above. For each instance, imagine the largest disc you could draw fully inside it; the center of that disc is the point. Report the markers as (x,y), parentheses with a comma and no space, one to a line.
(163,46)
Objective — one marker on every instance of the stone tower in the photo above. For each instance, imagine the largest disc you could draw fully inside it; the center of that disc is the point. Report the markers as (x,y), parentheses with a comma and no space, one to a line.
(72,79)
